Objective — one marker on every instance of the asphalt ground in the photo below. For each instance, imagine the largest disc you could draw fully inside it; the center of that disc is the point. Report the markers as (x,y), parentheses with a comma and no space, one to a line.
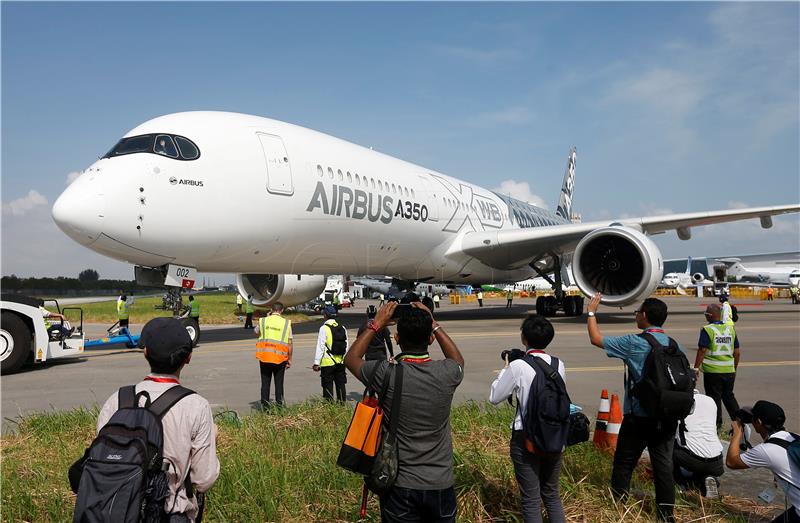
(225,371)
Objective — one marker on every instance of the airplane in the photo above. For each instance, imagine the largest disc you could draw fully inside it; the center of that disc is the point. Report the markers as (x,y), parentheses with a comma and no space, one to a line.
(388,286)
(320,205)
(681,281)
(772,275)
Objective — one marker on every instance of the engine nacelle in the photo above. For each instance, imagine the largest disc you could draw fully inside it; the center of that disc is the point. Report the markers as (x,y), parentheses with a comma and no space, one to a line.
(289,289)
(698,277)
(621,263)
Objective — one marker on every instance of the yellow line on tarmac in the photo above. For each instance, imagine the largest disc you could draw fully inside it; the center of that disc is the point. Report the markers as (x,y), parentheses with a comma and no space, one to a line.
(742,364)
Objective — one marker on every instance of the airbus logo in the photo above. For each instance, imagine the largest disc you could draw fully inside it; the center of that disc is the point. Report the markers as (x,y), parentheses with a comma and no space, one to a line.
(173,180)
(194,183)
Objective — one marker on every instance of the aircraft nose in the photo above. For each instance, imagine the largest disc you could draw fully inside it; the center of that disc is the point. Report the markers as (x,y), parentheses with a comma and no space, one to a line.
(80,209)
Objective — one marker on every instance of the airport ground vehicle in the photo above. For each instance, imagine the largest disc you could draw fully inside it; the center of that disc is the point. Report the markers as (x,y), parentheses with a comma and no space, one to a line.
(24,334)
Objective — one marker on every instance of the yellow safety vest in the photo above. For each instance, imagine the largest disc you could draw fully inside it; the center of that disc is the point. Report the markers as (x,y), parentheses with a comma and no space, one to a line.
(195,309)
(273,339)
(329,359)
(239,300)
(719,355)
(122,310)
(249,307)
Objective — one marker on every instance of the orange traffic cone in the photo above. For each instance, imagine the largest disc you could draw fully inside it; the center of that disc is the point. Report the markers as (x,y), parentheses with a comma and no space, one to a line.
(601,424)
(614,423)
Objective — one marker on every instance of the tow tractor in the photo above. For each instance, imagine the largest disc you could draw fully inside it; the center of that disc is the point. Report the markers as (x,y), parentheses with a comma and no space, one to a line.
(25,336)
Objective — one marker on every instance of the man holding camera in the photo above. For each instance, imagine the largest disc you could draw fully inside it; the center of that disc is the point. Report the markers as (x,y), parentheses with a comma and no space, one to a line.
(638,429)
(718,358)
(423,490)
(768,419)
(537,475)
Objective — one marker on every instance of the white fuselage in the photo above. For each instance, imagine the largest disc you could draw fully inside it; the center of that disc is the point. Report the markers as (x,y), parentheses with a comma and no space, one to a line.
(775,274)
(266,196)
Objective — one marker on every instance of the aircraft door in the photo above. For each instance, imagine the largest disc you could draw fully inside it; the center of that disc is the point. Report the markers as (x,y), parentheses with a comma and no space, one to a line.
(279,173)
(432,197)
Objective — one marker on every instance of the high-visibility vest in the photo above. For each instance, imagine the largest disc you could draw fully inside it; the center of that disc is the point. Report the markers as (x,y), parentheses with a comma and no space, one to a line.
(249,307)
(727,314)
(239,300)
(509,295)
(329,359)
(480,295)
(435,297)
(719,355)
(195,313)
(273,339)
(122,310)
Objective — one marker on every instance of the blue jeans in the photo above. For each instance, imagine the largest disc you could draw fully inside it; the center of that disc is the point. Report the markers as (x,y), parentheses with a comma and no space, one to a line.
(413,505)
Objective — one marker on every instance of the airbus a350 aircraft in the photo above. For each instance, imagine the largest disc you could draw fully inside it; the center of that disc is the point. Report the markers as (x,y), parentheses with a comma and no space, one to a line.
(169,196)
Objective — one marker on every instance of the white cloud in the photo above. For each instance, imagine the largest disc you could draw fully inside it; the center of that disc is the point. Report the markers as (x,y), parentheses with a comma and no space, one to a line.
(21,206)
(71,177)
(520,191)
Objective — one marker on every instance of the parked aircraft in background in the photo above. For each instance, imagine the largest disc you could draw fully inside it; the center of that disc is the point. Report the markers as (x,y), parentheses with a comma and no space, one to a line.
(775,275)
(319,205)
(685,280)
(388,287)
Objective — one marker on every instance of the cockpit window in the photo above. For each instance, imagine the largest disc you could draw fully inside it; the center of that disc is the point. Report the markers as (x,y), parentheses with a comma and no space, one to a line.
(165,146)
(162,144)
(187,148)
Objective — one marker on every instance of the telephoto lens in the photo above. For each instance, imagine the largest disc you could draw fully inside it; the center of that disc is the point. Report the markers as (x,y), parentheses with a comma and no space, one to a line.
(513,354)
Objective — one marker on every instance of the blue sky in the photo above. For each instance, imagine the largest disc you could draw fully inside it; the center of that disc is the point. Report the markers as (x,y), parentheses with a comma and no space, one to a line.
(674,107)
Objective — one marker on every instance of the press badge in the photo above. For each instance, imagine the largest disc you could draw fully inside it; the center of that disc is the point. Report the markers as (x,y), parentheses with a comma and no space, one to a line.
(767,495)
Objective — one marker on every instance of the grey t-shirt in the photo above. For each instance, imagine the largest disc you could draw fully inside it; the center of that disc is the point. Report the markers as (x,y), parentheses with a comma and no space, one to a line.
(425,446)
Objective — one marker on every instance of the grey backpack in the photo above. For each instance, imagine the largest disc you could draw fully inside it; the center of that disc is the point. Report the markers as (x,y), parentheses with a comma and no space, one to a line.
(121,476)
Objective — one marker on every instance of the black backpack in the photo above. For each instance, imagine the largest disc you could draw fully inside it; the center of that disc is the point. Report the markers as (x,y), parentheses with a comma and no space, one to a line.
(666,389)
(734,313)
(339,340)
(122,475)
(546,419)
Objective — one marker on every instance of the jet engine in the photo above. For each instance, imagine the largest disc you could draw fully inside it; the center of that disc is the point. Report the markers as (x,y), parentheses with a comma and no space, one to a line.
(698,278)
(289,289)
(621,263)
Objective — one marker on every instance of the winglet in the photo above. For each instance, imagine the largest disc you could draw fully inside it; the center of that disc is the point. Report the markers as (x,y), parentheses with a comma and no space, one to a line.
(565,203)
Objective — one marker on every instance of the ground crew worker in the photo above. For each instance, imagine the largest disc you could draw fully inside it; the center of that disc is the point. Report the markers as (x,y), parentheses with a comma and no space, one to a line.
(718,358)
(248,320)
(794,292)
(509,298)
(195,309)
(337,302)
(726,311)
(327,360)
(480,299)
(59,330)
(436,300)
(123,313)
(239,302)
(770,292)
(274,352)
(383,300)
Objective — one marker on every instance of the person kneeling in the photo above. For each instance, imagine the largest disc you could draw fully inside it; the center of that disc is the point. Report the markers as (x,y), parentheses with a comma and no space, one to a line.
(697,456)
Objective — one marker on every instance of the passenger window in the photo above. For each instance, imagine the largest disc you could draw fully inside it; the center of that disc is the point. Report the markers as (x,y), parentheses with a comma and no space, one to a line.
(330,173)
(320,172)
(372,183)
(341,176)
(412,193)
(187,148)
(380,185)
(349,178)
(393,189)
(358,180)
(165,146)
(405,190)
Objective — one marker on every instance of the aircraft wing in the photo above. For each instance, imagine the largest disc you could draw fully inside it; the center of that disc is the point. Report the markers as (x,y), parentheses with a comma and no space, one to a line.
(509,249)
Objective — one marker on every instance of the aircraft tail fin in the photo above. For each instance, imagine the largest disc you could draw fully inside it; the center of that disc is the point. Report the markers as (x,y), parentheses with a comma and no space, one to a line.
(565,202)
(689,265)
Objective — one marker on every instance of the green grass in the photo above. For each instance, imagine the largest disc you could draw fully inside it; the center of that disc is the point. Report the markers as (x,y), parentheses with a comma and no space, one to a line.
(281,467)
(215,309)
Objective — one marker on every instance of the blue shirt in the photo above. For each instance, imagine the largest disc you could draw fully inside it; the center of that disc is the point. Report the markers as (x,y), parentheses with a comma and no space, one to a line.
(632,350)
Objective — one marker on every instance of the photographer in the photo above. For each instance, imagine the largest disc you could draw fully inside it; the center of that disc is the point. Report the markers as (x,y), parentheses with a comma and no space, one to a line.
(697,455)
(768,419)
(537,476)
(424,489)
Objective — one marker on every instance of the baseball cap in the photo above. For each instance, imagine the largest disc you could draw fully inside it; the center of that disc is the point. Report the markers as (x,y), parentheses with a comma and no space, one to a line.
(164,336)
(769,413)
(330,311)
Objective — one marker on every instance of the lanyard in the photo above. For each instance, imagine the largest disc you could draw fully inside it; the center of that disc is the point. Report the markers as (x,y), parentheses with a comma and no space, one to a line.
(531,352)
(415,358)
(654,329)
(162,380)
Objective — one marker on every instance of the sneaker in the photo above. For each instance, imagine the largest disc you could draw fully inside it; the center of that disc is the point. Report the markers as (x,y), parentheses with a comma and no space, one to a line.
(712,487)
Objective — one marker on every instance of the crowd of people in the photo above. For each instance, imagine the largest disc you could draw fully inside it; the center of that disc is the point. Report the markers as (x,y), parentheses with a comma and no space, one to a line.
(683,444)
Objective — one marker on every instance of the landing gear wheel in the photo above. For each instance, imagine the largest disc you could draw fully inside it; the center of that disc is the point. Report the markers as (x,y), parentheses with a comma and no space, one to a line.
(549,306)
(569,305)
(15,343)
(193,328)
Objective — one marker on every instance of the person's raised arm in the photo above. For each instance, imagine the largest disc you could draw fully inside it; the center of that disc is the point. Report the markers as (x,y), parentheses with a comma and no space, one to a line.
(446,343)
(733,459)
(595,336)
(354,359)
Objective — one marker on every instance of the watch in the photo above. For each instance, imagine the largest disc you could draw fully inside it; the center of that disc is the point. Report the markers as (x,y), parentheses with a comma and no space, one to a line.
(590,314)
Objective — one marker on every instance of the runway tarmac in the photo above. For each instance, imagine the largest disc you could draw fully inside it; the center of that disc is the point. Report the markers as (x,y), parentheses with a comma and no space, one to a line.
(224,368)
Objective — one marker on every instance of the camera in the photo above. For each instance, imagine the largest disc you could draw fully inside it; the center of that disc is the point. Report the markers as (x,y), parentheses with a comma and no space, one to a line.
(513,354)
(743,416)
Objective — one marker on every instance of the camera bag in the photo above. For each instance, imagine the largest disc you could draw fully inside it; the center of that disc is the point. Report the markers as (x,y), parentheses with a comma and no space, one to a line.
(546,420)
(364,432)
(666,389)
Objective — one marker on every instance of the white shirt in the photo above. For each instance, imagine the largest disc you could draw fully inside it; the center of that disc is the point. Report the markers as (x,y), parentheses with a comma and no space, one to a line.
(701,429)
(518,377)
(321,347)
(776,459)
(189,443)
